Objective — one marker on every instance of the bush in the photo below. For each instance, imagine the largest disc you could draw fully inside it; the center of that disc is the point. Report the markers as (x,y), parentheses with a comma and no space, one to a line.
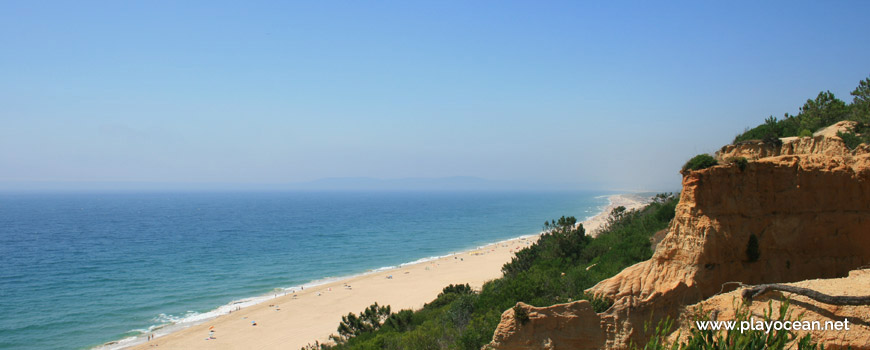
(401,321)
(368,321)
(806,133)
(599,304)
(740,162)
(772,141)
(456,289)
(701,161)
(851,139)
(449,294)
(521,315)
(562,240)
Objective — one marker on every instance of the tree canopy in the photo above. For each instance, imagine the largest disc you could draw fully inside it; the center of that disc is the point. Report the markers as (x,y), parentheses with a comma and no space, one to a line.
(826,109)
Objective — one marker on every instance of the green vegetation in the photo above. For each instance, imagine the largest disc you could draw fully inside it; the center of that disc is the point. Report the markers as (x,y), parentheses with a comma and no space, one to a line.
(556,269)
(521,315)
(851,139)
(861,102)
(858,135)
(826,109)
(734,339)
(368,321)
(701,161)
(740,162)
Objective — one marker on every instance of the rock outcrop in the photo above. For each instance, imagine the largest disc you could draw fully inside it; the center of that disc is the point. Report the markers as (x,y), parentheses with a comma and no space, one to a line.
(563,326)
(806,202)
(823,142)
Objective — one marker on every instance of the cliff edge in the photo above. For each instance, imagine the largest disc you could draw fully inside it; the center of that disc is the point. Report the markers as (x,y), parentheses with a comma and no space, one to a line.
(804,201)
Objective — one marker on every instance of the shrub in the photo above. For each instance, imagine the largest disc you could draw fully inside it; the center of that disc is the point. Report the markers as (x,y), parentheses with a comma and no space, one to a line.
(851,139)
(457,289)
(806,133)
(599,304)
(369,320)
(521,315)
(459,313)
(701,161)
(740,162)
(449,294)
(400,321)
(772,140)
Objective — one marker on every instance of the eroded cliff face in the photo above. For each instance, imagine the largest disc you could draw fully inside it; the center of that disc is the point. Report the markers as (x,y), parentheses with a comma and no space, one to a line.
(563,326)
(823,142)
(810,213)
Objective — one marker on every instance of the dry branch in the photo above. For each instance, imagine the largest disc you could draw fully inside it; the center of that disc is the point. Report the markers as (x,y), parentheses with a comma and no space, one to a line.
(755,291)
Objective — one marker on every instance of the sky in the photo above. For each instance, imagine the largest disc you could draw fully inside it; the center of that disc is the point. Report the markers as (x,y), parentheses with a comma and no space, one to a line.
(588,95)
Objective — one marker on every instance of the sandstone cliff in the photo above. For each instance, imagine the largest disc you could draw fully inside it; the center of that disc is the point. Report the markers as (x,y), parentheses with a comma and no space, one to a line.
(568,326)
(823,142)
(807,201)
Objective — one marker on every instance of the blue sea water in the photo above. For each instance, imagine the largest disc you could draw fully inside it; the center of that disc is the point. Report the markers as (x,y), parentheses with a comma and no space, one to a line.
(78,270)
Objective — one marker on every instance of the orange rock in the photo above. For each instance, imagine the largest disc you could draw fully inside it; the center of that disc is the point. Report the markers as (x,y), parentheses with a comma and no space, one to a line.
(807,202)
(562,326)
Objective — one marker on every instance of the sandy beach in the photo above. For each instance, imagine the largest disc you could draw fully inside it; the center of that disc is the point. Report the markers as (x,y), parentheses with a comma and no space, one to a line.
(629,201)
(293,320)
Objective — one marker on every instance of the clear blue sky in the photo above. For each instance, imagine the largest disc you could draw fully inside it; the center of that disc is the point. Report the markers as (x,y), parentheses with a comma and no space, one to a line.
(611,95)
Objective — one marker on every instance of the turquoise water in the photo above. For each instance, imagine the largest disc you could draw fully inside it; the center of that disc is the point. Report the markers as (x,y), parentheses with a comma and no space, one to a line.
(80,270)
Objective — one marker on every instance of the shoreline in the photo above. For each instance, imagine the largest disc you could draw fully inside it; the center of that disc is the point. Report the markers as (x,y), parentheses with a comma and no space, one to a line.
(318,308)
(630,201)
(294,316)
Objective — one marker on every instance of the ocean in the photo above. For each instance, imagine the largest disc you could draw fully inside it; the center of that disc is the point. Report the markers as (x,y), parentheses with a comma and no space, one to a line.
(78,270)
